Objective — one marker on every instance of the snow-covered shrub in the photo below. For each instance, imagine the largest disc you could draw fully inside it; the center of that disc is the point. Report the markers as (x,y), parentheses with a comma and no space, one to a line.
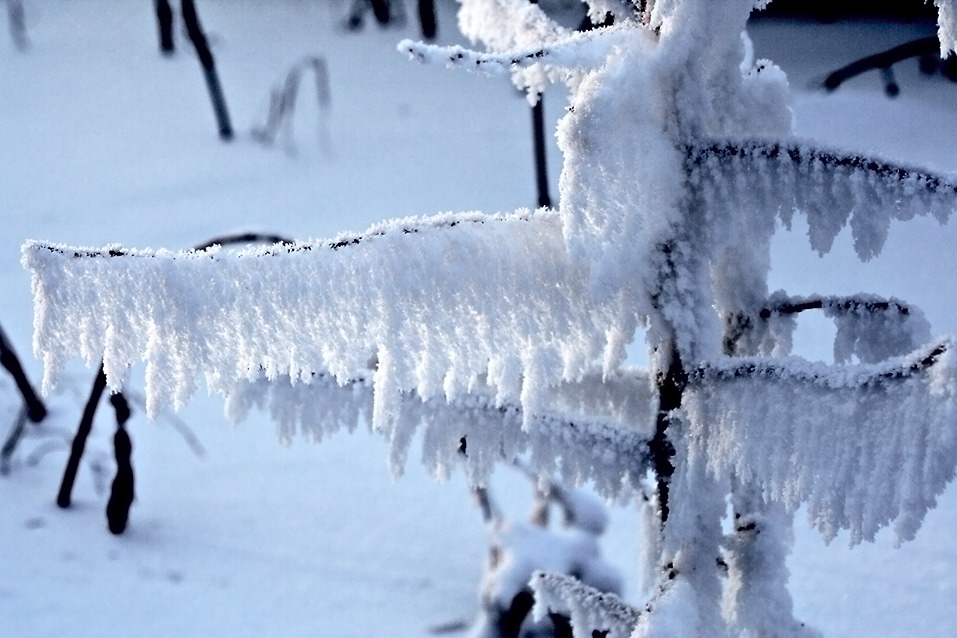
(502,335)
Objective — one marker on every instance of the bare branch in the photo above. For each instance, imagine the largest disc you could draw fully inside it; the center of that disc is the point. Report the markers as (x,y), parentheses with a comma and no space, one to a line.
(587,50)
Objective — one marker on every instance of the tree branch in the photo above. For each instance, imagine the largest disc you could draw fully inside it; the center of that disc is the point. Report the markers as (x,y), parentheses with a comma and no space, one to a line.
(820,374)
(36,411)
(881,61)
(821,160)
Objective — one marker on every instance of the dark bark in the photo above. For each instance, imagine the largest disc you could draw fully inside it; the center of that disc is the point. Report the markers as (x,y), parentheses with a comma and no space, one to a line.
(195,32)
(17,24)
(671,385)
(122,410)
(122,492)
(79,440)
(427,19)
(244,238)
(541,170)
(164,22)
(36,411)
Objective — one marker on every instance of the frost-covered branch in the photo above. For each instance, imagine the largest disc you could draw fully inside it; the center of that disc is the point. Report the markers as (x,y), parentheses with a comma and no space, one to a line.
(859,446)
(409,287)
(593,429)
(592,612)
(854,303)
(587,50)
(869,327)
(832,188)
(507,24)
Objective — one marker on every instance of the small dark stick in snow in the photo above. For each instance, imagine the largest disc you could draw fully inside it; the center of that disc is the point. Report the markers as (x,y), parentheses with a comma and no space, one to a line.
(122,492)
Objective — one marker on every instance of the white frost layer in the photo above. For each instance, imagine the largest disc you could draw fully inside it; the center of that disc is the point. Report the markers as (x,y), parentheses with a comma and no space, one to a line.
(438,303)
(591,430)
(860,447)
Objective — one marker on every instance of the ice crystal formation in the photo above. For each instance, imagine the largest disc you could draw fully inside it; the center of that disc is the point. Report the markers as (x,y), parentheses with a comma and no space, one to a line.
(505,335)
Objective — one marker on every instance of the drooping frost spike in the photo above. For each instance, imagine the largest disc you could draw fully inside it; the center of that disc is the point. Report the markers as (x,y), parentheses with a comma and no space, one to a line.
(462,297)
(587,431)
(860,447)
(832,188)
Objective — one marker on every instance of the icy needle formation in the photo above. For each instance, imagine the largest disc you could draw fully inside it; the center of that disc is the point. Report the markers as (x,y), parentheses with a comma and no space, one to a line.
(505,334)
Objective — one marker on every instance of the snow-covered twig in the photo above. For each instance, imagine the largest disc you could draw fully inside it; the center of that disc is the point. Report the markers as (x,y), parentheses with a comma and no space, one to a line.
(35,409)
(822,162)
(587,50)
(820,374)
(434,274)
(575,433)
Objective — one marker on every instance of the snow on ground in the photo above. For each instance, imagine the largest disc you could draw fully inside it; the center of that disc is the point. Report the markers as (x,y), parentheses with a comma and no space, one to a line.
(102,140)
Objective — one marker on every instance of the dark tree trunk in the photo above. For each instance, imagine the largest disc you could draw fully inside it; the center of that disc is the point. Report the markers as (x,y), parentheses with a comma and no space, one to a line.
(671,385)
(541,169)
(65,496)
(164,21)
(198,38)
(382,11)
(427,19)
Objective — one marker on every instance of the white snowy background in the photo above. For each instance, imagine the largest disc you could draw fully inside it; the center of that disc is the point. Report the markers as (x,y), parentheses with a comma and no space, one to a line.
(102,140)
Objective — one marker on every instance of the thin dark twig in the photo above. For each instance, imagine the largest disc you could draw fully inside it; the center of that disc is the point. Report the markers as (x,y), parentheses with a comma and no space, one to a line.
(882,61)
(65,495)
(244,238)
(164,23)
(10,445)
(36,410)
(195,32)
